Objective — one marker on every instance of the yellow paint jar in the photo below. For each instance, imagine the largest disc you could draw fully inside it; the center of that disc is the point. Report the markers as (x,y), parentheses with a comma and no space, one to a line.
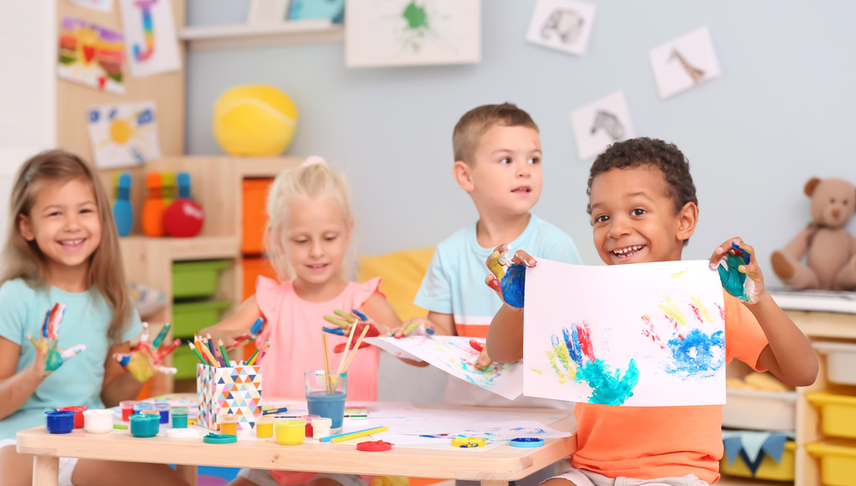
(229,424)
(290,432)
(264,426)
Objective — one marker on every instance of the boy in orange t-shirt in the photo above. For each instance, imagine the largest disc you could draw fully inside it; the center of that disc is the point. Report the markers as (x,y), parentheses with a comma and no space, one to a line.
(644,208)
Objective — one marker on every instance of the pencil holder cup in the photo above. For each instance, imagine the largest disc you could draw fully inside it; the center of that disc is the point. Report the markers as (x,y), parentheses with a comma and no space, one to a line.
(221,391)
(60,421)
(325,395)
(98,421)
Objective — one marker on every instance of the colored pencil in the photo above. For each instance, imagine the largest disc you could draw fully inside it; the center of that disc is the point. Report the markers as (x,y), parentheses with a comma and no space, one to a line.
(326,365)
(253,357)
(207,352)
(196,352)
(223,352)
(355,349)
(210,343)
(274,410)
(262,352)
(354,435)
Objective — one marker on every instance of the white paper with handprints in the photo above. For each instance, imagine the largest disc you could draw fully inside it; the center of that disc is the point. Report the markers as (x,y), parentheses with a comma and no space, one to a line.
(648,334)
(454,355)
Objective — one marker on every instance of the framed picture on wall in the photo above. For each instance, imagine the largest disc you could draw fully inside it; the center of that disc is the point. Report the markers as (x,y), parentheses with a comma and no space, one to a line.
(684,63)
(564,25)
(602,123)
(410,33)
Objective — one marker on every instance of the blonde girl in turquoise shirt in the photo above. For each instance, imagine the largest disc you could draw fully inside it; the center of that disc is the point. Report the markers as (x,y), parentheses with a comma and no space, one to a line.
(62,247)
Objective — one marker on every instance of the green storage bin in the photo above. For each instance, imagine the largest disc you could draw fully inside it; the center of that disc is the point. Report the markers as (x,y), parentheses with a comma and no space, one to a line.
(191,317)
(196,278)
(184,361)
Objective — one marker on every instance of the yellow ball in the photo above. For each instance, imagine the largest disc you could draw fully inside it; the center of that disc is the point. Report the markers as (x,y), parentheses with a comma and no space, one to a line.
(254,120)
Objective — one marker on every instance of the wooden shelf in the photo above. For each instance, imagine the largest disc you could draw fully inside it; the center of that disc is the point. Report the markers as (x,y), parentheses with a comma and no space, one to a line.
(261,35)
(824,324)
(196,248)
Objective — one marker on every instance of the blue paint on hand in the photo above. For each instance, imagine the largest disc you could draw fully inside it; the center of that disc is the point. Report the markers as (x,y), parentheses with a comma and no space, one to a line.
(573,345)
(513,285)
(747,257)
(257,326)
(698,355)
(608,387)
(359,314)
(732,280)
(334,330)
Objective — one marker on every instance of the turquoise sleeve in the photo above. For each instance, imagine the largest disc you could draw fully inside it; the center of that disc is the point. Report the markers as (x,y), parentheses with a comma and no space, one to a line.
(15,301)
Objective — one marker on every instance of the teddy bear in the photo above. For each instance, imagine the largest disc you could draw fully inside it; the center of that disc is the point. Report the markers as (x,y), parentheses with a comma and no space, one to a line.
(829,249)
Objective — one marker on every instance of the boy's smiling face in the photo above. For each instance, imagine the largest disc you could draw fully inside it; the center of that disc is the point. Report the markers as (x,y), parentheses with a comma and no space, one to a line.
(634,219)
(505,176)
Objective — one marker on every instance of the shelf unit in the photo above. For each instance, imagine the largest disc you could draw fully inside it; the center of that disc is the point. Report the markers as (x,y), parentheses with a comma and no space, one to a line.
(817,326)
(261,35)
(216,184)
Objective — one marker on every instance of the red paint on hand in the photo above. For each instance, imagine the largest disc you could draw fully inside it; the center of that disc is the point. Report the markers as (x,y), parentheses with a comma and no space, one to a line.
(476,345)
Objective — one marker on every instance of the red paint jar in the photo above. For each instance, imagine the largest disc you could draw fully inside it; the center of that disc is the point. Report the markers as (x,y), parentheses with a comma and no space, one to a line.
(127,408)
(78,414)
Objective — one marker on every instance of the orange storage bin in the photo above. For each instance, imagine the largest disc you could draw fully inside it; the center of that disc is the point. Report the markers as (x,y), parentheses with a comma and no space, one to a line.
(254,214)
(253,267)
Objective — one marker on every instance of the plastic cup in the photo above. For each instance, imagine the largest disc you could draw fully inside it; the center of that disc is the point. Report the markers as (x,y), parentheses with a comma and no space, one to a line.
(179,417)
(127,407)
(325,395)
(290,432)
(229,423)
(264,426)
(59,421)
(78,414)
(145,424)
(98,421)
(163,410)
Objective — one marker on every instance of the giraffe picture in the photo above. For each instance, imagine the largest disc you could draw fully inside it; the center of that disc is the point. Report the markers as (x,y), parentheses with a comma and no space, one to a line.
(684,63)
(602,123)
(562,24)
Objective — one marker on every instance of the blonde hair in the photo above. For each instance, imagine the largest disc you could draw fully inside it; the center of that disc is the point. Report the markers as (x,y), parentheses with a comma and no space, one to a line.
(470,128)
(312,180)
(25,260)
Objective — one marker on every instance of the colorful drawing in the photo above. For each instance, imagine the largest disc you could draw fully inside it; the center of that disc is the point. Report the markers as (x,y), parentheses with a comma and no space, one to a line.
(602,123)
(455,355)
(123,135)
(412,32)
(659,345)
(92,55)
(685,62)
(152,42)
(564,25)
(99,5)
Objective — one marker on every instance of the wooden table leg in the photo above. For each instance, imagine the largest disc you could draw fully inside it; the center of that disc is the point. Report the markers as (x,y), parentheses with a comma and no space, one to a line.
(188,473)
(45,471)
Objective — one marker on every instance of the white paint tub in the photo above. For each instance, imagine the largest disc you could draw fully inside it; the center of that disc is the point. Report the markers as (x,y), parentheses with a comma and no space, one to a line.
(840,361)
(98,421)
(759,409)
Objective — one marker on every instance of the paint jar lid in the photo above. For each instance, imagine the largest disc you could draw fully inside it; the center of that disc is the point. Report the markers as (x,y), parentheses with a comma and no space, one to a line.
(265,419)
(161,406)
(526,442)
(142,406)
(468,442)
(149,412)
(60,413)
(178,410)
(73,408)
(127,404)
(374,446)
(290,423)
(228,418)
(322,422)
(220,439)
(100,412)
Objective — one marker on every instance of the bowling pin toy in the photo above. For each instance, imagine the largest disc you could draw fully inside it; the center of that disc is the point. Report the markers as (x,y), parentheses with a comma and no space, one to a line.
(123,211)
(153,208)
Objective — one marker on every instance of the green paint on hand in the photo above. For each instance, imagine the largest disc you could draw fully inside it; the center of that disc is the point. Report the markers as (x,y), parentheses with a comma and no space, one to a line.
(415,16)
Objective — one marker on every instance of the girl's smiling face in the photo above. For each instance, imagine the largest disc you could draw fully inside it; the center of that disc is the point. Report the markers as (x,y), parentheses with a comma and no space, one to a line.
(317,239)
(634,219)
(64,223)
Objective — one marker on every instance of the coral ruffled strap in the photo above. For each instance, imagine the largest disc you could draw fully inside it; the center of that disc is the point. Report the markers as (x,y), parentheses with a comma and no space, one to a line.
(269,295)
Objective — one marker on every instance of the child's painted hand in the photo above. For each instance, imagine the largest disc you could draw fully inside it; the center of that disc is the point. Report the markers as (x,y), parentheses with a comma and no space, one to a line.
(508,275)
(145,359)
(49,356)
(418,326)
(484,361)
(346,320)
(240,339)
(733,259)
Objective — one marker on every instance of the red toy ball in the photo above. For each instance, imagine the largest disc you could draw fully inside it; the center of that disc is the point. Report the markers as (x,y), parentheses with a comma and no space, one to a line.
(183,218)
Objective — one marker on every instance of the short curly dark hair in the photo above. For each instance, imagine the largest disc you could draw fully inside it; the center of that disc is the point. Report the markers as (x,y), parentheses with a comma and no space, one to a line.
(644,151)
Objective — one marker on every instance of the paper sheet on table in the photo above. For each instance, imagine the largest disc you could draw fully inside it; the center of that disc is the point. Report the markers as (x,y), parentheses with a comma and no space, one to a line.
(454,355)
(648,334)
(417,442)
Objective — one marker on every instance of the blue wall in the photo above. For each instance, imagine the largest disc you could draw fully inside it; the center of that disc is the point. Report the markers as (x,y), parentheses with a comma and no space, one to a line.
(781,113)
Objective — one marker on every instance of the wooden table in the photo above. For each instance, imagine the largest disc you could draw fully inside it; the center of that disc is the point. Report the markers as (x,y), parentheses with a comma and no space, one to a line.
(493,468)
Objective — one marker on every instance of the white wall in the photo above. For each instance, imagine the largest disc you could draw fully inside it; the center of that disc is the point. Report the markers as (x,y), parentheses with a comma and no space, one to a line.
(782,112)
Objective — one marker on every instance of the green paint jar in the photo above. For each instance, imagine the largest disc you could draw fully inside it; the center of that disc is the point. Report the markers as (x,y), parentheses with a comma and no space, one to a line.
(179,417)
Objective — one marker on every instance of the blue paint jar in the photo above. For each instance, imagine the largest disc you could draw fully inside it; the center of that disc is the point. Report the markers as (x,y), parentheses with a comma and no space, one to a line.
(60,422)
(179,417)
(163,409)
(140,407)
(145,425)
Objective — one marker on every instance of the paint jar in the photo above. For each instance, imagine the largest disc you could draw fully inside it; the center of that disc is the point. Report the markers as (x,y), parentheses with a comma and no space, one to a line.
(98,421)
(290,432)
(145,424)
(60,421)
(264,426)
(150,412)
(321,427)
(78,414)
(308,419)
(229,423)
(325,395)
(163,410)
(179,417)
(127,408)
(140,407)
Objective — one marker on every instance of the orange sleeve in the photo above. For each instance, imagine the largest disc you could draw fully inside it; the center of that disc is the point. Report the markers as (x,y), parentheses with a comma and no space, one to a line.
(744,338)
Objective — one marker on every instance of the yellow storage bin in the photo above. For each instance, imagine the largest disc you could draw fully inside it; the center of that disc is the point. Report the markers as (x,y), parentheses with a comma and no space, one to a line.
(837,462)
(769,469)
(837,413)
